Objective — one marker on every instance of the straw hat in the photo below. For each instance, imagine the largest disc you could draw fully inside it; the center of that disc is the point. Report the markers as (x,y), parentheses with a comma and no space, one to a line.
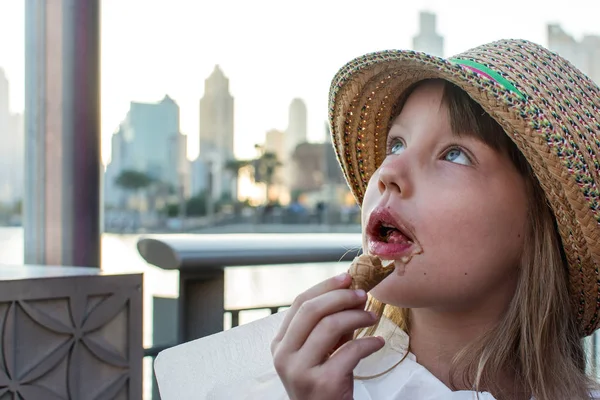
(546,106)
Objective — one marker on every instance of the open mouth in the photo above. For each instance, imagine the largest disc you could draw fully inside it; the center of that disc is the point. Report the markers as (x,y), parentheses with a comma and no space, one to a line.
(389,238)
(385,228)
(391,234)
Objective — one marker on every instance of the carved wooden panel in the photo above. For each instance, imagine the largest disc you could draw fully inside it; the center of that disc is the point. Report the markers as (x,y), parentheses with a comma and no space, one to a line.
(72,338)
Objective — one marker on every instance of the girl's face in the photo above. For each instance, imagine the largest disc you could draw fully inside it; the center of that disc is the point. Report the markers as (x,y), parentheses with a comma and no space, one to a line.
(461,202)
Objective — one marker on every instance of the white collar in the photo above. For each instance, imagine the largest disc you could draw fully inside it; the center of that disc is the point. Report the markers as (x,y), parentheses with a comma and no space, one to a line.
(405,379)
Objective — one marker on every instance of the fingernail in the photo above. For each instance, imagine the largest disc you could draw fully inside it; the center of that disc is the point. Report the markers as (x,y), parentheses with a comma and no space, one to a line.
(381,339)
(373,315)
(342,277)
(360,293)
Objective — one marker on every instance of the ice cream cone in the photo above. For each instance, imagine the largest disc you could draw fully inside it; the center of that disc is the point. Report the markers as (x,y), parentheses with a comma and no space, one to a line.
(367,271)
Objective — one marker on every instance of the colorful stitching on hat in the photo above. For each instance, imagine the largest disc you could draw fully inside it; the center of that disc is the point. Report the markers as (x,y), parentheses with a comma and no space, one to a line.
(488,73)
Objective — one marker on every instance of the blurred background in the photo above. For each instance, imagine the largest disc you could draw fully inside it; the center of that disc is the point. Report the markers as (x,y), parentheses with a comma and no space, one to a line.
(213,120)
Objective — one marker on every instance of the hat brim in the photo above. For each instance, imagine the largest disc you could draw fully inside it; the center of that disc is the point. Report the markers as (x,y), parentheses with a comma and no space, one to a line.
(364,96)
(363,99)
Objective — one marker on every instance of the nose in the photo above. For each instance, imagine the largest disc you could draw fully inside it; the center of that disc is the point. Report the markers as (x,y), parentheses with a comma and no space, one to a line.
(393,176)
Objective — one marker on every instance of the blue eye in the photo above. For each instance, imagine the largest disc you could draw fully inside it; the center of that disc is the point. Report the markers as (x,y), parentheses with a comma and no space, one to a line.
(396,146)
(457,156)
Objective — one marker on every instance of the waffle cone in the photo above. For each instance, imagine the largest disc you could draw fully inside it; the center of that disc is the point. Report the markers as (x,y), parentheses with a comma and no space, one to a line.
(367,271)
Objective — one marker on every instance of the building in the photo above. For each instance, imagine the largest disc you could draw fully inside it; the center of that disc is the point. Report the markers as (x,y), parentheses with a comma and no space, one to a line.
(428,40)
(333,171)
(12,151)
(275,143)
(315,165)
(216,136)
(148,141)
(296,131)
(584,54)
(178,158)
(199,176)
(295,135)
(318,179)
(308,167)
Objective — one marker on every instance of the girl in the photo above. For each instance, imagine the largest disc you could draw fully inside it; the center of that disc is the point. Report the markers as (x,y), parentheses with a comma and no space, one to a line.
(487,163)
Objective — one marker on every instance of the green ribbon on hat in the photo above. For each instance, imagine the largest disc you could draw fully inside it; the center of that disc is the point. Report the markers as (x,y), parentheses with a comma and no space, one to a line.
(489,73)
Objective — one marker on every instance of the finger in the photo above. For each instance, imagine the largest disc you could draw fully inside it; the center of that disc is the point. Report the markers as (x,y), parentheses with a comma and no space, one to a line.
(343,340)
(311,312)
(329,331)
(336,282)
(350,354)
(348,336)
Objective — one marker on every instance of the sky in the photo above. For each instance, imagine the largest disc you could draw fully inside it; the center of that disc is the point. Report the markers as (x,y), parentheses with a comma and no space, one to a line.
(271,50)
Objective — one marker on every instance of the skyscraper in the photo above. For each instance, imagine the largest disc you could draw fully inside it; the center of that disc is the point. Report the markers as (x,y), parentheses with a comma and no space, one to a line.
(147,141)
(181,163)
(216,115)
(295,135)
(296,132)
(275,143)
(216,133)
(428,40)
(12,151)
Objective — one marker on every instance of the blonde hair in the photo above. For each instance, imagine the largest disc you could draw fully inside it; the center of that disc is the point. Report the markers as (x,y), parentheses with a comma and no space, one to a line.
(537,337)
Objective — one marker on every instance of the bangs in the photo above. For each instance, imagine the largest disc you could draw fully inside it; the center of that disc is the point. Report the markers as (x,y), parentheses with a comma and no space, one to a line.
(468,119)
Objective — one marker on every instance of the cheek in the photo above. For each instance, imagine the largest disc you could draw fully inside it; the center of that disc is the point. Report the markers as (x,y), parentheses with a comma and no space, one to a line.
(472,246)
(479,219)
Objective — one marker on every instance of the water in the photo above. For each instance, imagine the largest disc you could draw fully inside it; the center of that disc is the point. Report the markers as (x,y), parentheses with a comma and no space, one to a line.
(244,286)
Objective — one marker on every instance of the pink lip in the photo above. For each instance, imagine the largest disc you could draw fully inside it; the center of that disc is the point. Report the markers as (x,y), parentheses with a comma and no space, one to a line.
(385,250)
(390,251)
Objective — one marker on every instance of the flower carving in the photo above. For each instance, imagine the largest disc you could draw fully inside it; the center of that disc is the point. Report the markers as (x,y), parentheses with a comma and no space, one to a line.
(60,349)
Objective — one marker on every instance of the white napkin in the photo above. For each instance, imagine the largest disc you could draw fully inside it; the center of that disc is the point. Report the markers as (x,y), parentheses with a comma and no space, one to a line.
(237,364)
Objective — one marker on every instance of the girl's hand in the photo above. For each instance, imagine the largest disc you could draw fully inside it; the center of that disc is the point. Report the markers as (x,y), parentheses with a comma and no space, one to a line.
(319,320)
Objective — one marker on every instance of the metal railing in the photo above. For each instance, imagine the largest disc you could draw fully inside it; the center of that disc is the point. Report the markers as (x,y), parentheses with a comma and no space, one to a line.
(235,321)
(201,260)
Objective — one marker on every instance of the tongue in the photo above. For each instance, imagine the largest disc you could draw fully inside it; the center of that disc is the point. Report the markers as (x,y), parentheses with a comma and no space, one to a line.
(396,237)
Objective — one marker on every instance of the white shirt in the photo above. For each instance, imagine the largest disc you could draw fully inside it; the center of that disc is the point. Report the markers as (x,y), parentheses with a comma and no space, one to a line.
(407,380)
(237,364)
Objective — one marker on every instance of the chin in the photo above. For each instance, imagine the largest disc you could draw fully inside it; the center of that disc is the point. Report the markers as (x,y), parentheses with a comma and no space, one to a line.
(397,295)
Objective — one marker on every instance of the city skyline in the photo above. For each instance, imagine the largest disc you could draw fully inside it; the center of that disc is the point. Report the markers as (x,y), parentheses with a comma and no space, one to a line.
(269,56)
